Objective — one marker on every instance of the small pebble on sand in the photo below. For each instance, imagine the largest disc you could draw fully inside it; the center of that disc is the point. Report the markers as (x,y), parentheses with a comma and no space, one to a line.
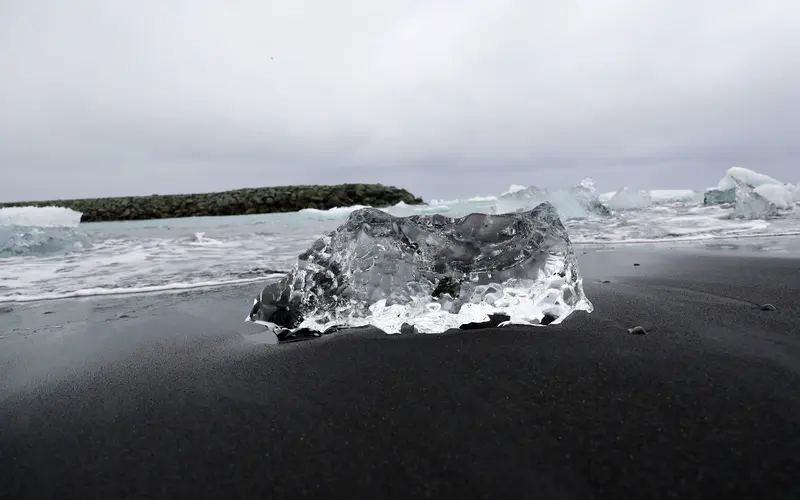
(768,307)
(637,330)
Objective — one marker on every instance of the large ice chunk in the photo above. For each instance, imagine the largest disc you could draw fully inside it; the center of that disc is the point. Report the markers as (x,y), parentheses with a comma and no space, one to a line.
(744,176)
(40,231)
(626,199)
(752,205)
(728,188)
(578,202)
(429,272)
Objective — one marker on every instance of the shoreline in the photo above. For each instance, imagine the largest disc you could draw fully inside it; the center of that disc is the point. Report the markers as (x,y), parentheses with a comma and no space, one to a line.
(789,248)
(245,201)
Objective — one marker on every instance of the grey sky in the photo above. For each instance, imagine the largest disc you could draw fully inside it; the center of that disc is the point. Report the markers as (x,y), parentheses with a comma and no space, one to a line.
(444,97)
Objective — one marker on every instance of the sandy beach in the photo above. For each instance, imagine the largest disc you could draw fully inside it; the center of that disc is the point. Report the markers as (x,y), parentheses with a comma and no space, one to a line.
(173,396)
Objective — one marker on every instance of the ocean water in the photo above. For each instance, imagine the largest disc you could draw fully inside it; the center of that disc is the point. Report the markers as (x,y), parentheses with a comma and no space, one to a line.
(45,253)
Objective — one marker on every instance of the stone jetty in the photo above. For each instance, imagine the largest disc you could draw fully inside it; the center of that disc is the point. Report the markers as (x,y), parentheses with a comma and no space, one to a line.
(237,202)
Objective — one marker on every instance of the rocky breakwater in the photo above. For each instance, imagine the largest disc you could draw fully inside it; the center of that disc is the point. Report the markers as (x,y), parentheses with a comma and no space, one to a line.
(237,202)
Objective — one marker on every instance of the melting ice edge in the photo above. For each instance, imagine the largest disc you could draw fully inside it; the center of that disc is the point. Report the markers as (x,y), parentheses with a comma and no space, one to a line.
(428,273)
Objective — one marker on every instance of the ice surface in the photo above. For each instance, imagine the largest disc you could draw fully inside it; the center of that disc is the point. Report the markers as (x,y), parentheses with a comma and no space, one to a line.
(588,184)
(745,176)
(577,202)
(626,199)
(752,205)
(431,272)
(777,194)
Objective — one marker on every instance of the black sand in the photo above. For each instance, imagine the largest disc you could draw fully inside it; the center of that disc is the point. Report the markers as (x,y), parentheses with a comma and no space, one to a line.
(174,402)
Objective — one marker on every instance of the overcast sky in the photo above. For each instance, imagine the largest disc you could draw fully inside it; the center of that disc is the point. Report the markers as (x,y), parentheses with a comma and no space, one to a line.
(443,97)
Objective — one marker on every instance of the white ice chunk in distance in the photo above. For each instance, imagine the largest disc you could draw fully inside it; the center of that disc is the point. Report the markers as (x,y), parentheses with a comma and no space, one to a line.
(626,199)
(745,176)
(588,184)
(431,272)
(751,205)
(39,217)
(578,202)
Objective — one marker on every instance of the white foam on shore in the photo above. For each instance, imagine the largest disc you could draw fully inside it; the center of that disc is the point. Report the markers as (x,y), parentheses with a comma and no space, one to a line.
(331,213)
(95,292)
(680,239)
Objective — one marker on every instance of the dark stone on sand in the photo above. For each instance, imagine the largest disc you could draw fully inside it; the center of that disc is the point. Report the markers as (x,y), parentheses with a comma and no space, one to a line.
(237,202)
(768,307)
(606,281)
(636,264)
(637,330)
(406,329)
(6,309)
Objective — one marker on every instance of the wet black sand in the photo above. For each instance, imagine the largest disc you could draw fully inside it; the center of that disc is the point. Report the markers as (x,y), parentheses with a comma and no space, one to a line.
(175,402)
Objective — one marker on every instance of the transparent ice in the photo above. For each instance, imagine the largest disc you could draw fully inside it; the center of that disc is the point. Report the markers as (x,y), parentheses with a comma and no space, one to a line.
(429,273)
(626,199)
(751,205)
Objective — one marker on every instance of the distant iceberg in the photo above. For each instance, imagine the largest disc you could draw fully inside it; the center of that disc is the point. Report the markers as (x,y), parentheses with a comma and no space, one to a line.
(578,202)
(728,189)
(626,199)
(745,176)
